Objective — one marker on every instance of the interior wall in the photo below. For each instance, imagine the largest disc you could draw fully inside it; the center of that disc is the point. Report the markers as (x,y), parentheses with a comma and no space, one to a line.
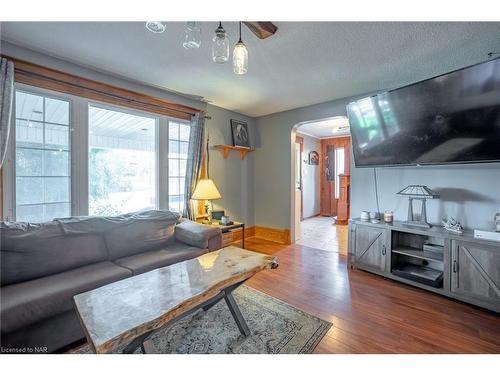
(232,176)
(310,176)
(272,168)
(470,193)
(22,53)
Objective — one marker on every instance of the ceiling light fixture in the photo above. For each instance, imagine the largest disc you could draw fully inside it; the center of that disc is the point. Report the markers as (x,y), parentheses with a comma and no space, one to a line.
(240,57)
(155,27)
(193,35)
(220,45)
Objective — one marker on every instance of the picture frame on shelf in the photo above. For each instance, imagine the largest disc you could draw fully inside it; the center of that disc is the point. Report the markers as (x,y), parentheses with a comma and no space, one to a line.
(240,134)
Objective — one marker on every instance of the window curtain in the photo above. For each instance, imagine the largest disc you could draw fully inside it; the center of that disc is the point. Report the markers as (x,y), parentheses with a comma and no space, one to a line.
(6,100)
(193,167)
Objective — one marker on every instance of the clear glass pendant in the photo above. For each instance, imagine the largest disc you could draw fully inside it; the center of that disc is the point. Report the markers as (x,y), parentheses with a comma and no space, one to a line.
(193,35)
(156,27)
(240,58)
(220,46)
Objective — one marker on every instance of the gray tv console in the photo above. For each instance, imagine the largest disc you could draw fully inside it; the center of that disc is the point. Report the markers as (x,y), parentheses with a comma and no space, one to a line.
(469,267)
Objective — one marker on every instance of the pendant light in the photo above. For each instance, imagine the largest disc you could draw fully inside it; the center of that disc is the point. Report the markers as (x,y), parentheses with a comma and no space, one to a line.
(220,45)
(192,35)
(240,57)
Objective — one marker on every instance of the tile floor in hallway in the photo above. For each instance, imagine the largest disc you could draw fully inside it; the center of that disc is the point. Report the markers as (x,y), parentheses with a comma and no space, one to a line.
(319,232)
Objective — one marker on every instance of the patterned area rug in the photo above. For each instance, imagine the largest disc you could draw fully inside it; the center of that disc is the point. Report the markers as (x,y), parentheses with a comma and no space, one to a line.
(276,328)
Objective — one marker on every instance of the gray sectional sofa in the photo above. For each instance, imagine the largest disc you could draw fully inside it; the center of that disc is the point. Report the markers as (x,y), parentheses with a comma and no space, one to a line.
(44,265)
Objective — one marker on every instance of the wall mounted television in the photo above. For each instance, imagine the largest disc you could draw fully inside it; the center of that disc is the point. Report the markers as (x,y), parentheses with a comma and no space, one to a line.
(452,118)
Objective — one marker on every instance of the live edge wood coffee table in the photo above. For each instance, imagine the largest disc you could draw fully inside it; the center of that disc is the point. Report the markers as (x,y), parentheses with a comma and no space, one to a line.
(124,314)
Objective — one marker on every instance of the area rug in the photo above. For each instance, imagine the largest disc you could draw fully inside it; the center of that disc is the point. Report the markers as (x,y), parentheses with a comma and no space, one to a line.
(276,327)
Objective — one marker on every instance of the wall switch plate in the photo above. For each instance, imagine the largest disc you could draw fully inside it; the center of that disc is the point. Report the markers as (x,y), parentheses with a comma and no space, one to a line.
(485,235)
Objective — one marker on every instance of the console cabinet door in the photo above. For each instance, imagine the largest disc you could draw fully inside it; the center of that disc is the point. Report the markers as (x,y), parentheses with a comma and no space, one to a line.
(475,272)
(371,247)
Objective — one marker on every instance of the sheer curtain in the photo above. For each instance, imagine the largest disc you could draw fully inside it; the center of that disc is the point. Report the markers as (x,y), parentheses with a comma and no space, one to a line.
(193,167)
(6,100)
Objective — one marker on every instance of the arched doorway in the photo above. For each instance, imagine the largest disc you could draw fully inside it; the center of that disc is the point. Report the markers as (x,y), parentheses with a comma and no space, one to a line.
(320,182)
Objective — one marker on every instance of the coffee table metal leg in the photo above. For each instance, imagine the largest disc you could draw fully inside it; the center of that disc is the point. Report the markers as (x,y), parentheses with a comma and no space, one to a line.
(236,313)
(139,342)
(210,305)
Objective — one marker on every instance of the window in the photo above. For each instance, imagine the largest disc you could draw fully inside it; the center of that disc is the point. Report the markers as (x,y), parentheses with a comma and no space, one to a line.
(69,157)
(122,162)
(339,168)
(178,144)
(42,157)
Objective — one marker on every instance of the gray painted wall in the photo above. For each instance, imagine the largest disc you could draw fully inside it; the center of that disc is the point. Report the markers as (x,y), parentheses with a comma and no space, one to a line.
(310,177)
(272,168)
(470,193)
(21,53)
(232,176)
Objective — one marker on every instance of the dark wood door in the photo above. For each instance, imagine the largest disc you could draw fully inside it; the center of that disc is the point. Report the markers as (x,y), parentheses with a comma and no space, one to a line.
(328,202)
(476,271)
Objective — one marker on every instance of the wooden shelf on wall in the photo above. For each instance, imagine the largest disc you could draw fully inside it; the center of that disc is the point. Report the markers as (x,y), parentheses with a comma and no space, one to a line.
(226,149)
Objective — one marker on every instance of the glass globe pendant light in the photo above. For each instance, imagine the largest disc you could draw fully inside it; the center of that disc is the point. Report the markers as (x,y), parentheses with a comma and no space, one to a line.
(240,57)
(193,35)
(220,45)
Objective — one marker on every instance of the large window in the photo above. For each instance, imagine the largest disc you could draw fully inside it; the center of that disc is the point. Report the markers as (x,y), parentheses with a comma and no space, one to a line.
(42,157)
(122,162)
(178,143)
(69,156)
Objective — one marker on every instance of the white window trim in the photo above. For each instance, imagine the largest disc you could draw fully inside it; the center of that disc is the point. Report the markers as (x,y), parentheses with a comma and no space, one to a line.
(79,147)
(9,167)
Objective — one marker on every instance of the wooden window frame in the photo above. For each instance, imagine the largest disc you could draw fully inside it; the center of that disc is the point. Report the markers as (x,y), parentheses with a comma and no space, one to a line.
(55,80)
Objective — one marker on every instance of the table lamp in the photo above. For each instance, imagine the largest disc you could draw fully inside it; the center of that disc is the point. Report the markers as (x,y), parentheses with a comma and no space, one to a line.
(419,192)
(206,190)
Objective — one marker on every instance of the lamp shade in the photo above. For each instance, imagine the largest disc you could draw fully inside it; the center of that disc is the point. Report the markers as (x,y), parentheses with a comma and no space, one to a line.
(206,189)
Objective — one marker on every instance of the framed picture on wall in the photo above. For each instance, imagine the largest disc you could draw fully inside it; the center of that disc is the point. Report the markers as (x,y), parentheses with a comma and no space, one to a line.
(239,130)
(313,158)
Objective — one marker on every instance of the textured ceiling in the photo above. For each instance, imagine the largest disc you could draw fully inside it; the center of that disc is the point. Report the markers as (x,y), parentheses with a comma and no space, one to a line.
(304,63)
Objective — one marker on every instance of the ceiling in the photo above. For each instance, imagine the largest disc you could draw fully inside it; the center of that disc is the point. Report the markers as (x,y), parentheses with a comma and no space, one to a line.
(334,127)
(304,63)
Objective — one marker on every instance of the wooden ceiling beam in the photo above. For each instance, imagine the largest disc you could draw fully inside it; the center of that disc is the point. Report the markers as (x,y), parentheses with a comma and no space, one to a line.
(262,30)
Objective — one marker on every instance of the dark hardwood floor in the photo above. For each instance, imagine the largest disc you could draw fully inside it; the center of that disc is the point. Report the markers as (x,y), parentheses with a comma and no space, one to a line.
(371,314)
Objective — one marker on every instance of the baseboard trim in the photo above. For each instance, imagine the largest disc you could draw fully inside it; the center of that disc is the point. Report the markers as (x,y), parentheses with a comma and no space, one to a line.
(249,232)
(281,236)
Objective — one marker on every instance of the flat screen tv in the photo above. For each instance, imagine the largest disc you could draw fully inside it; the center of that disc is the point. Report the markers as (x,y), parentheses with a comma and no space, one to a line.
(452,118)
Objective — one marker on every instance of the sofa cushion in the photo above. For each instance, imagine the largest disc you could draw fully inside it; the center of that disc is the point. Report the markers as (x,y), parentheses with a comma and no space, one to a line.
(140,232)
(174,253)
(29,251)
(26,303)
(195,234)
